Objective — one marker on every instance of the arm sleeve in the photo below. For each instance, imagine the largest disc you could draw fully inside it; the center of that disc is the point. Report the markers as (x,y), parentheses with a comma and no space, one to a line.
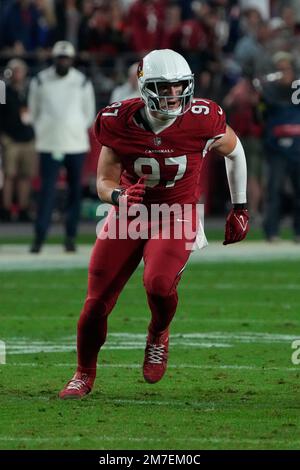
(236,169)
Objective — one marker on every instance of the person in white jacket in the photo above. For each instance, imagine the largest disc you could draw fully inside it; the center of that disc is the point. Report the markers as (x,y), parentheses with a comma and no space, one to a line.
(62,106)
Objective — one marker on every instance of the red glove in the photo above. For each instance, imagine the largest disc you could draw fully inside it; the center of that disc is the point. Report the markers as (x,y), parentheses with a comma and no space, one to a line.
(237,226)
(135,193)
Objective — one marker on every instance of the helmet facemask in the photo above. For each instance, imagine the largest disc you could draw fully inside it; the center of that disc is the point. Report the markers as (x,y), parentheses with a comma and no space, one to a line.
(159,103)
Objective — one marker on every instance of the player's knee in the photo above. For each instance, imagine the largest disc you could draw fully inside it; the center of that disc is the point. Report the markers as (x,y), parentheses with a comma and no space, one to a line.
(158,285)
(94,308)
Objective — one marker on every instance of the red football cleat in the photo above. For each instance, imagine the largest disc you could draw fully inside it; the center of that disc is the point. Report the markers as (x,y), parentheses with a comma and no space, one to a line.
(79,386)
(156,357)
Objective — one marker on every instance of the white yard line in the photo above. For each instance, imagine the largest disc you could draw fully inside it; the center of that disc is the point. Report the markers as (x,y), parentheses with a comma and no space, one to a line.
(136,341)
(17,257)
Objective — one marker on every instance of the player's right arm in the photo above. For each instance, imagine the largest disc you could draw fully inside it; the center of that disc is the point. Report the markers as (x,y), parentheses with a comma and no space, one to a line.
(108,174)
(108,180)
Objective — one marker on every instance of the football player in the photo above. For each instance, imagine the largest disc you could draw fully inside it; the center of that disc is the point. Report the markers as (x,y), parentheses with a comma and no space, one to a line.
(152,153)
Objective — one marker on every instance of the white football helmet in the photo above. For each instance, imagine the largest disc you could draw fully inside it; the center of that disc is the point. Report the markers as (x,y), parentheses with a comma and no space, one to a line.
(161,66)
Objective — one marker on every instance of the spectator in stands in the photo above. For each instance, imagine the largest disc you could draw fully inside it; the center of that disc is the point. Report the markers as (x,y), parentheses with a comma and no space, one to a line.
(129,89)
(241,106)
(19,157)
(63,108)
(102,36)
(87,11)
(145,20)
(282,140)
(251,51)
(68,20)
(47,24)
(199,45)
(24,26)
(172,27)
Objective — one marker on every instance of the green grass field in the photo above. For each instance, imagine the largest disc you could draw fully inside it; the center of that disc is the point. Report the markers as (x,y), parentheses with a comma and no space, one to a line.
(230,382)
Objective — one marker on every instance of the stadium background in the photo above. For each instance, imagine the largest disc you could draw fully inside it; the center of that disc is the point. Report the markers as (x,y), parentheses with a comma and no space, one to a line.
(231,382)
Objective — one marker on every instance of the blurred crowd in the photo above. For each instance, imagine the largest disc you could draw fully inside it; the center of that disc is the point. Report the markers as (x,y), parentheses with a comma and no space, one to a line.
(234,47)
(221,39)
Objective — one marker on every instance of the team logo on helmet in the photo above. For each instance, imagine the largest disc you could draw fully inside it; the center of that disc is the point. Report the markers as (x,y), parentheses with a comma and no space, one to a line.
(140,71)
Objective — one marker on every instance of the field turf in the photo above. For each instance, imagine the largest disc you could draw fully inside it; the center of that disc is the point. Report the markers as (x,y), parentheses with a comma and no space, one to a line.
(230,382)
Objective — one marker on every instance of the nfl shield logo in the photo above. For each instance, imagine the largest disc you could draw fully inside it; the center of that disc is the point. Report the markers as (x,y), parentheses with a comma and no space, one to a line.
(157,141)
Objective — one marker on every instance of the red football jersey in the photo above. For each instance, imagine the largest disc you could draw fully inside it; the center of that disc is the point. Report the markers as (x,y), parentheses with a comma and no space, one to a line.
(171,159)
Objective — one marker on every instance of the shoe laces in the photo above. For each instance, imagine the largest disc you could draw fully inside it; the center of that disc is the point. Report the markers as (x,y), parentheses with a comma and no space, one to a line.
(156,353)
(77,384)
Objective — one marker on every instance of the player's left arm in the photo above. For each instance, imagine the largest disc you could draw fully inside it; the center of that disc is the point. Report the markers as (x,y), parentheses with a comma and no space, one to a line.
(237,223)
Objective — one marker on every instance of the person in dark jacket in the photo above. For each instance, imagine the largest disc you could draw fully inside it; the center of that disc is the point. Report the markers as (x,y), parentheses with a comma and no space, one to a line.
(282,143)
(17,139)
